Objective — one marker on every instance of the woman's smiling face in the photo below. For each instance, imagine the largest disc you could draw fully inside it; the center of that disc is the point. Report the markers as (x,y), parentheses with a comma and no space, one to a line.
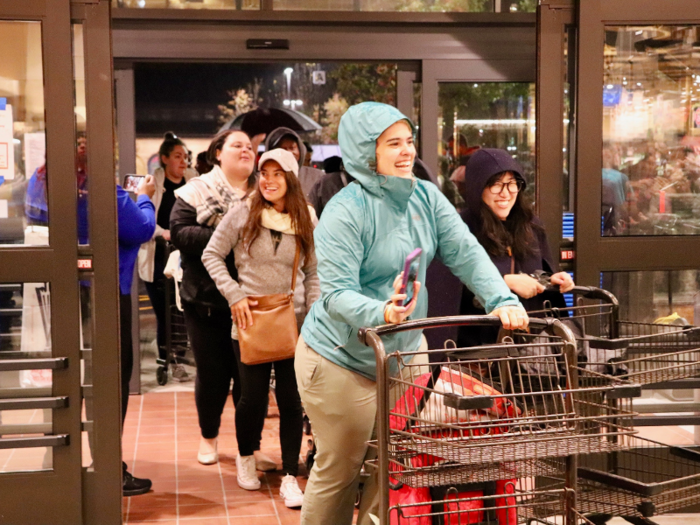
(502,202)
(396,151)
(273,184)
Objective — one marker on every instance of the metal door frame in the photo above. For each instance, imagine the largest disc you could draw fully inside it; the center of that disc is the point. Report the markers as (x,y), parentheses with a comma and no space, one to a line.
(596,254)
(68,494)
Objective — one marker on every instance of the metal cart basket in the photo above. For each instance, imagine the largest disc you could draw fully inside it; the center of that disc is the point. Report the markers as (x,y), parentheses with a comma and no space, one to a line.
(491,412)
(642,353)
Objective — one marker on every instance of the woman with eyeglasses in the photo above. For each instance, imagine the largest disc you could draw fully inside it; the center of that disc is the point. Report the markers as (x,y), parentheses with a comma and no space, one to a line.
(501,217)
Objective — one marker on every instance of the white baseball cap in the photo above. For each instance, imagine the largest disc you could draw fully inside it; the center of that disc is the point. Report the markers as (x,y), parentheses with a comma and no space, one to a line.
(282,157)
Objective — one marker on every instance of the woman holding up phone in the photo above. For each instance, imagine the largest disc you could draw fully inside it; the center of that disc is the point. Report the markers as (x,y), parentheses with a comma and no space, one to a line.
(364,236)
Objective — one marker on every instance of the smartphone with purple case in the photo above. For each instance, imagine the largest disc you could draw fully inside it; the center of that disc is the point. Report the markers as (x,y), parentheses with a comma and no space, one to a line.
(410,274)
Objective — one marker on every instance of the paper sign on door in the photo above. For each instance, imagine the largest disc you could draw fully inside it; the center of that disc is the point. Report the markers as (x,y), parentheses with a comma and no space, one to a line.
(7,147)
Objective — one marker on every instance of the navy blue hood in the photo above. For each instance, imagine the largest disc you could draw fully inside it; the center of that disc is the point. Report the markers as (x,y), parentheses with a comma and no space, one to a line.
(483,165)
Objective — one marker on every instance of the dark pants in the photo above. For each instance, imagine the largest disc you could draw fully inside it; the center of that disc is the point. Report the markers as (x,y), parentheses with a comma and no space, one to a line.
(156,294)
(251,409)
(127,349)
(209,331)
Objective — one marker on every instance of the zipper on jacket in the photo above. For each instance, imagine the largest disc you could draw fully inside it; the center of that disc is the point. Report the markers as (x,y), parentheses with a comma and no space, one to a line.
(512,260)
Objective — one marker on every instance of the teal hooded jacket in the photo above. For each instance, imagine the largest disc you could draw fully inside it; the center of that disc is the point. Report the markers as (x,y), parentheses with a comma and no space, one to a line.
(363,238)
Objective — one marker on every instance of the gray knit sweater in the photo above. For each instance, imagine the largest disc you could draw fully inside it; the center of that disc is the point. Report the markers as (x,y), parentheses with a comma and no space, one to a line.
(266,270)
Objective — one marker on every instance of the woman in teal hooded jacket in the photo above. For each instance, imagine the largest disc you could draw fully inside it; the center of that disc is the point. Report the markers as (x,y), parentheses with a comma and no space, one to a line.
(362,240)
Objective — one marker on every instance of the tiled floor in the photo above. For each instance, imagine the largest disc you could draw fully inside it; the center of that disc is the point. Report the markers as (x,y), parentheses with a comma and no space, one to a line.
(161,438)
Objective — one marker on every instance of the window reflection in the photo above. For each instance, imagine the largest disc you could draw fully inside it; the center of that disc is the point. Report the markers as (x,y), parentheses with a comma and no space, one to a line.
(188,4)
(23,168)
(484,115)
(651,131)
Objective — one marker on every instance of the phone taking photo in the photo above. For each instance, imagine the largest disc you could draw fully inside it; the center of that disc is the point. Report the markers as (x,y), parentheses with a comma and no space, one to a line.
(132,182)
(410,275)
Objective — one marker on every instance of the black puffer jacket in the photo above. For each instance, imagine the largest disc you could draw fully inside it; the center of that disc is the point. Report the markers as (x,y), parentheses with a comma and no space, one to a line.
(191,238)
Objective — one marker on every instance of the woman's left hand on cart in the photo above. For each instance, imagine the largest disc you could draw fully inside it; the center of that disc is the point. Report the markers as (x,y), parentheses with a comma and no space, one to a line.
(564,280)
(512,317)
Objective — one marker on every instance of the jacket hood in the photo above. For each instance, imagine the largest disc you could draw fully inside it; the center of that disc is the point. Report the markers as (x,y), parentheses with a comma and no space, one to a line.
(483,165)
(275,137)
(358,132)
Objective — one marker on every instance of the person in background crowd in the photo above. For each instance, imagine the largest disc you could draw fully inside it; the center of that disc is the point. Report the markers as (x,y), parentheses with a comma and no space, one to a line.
(362,240)
(199,207)
(334,180)
(137,222)
(36,206)
(309,153)
(501,218)
(172,174)
(263,232)
(286,139)
(202,165)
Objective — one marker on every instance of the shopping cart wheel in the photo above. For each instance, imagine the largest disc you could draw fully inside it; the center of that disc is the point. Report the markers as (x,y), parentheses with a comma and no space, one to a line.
(307,425)
(599,519)
(162,375)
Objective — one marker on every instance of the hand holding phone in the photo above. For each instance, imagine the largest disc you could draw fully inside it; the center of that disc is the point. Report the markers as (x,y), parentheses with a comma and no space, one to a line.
(410,274)
(132,182)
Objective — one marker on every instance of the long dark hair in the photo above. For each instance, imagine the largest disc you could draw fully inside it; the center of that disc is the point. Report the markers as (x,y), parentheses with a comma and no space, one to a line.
(295,205)
(170,142)
(217,144)
(517,232)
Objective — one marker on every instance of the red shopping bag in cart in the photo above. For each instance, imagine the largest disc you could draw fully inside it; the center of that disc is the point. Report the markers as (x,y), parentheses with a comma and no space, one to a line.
(425,399)
(460,512)
(506,511)
(419,505)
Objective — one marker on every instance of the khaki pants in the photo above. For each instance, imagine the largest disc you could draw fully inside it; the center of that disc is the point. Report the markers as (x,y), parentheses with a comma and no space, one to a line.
(342,408)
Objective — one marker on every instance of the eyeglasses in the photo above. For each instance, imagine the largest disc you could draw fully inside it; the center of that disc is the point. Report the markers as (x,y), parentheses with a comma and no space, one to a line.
(514,186)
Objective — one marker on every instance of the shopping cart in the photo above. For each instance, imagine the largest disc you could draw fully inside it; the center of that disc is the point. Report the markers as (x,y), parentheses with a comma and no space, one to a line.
(648,479)
(489,413)
(642,353)
(177,345)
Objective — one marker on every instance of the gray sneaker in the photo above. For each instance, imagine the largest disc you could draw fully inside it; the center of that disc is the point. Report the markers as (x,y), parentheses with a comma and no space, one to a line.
(180,374)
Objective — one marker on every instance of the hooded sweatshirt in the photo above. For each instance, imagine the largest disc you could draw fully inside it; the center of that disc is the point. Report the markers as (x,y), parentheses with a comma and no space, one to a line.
(362,241)
(307,176)
(483,165)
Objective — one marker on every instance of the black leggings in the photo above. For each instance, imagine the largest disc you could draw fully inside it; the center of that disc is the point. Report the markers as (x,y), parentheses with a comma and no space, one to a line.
(251,409)
(209,331)
(127,350)
(156,294)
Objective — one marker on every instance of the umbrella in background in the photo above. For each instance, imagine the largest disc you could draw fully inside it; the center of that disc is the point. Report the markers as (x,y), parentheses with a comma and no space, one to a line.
(264,120)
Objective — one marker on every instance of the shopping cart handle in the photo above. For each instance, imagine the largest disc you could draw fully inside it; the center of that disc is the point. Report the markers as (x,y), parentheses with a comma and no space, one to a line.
(468,402)
(591,292)
(457,320)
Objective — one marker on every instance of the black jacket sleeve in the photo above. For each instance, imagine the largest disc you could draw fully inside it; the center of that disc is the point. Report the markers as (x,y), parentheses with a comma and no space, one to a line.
(186,234)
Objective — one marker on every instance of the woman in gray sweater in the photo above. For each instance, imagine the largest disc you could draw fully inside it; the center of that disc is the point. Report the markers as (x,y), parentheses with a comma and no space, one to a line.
(263,232)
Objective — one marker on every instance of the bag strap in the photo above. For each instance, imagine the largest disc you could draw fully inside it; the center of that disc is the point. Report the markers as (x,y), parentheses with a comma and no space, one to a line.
(296,266)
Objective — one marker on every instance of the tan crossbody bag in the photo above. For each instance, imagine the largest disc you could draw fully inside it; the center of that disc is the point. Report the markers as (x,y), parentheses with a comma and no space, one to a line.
(273,335)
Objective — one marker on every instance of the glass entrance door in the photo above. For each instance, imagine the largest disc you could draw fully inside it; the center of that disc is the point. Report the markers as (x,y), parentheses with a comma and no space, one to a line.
(51,271)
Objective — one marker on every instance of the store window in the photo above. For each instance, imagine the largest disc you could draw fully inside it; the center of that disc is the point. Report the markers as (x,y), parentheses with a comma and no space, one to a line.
(651,131)
(24,214)
(473,115)
(240,5)
(399,6)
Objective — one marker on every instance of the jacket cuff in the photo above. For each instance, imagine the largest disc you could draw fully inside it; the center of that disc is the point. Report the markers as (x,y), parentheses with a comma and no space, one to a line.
(234,294)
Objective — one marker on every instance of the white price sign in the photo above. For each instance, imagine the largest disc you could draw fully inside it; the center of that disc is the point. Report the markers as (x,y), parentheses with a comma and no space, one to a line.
(7,148)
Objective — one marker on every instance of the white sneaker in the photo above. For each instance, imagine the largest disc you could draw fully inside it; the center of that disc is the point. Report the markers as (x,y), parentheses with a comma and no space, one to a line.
(180,374)
(208,453)
(263,462)
(290,491)
(247,476)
